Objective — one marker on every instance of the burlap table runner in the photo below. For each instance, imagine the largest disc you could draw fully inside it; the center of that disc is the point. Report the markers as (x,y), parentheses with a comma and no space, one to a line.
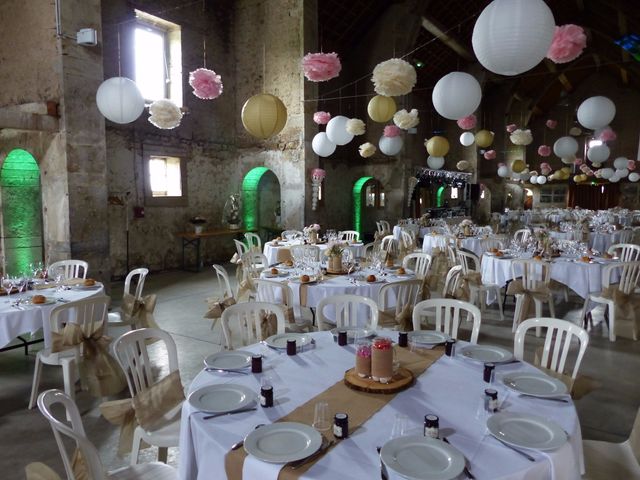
(340,398)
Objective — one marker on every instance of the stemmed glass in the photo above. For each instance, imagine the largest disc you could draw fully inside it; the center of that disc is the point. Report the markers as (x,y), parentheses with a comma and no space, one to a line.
(7,284)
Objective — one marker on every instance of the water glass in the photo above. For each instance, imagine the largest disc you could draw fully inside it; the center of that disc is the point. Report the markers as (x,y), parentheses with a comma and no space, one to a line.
(7,284)
(400,426)
(321,421)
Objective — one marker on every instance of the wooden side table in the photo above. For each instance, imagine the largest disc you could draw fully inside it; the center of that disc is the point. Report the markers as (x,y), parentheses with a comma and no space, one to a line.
(192,239)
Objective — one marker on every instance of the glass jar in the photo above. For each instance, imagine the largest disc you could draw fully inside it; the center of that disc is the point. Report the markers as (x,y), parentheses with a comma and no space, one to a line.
(382,359)
(363,359)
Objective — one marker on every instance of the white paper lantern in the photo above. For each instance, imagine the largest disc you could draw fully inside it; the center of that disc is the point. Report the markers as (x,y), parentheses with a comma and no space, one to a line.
(606,173)
(598,153)
(622,172)
(533,179)
(568,160)
(615,178)
(119,100)
(322,146)
(513,36)
(565,147)
(390,145)
(541,180)
(337,130)
(634,177)
(435,163)
(596,112)
(456,95)
(620,163)
(467,139)
(503,171)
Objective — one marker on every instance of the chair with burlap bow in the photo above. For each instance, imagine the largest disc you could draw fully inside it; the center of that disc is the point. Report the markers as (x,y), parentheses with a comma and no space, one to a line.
(621,300)
(297,318)
(253,241)
(472,288)
(447,313)
(85,462)
(121,318)
(347,311)
(403,295)
(521,236)
(225,298)
(255,321)
(530,286)
(419,263)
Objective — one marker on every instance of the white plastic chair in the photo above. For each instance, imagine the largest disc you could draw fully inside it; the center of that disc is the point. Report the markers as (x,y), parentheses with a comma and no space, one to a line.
(69,269)
(521,236)
(132,354)
(346,312)
(247,317)
(49,400)
(629,277)
(273,291)
(606,460)
(370,249)
(385,226)
(419,263)
(84,313)
(291,234)
(451,281)
(379,228)
(407,241)
(349,236)
(389,244)
(298,252)
(400,294)
(533,274)
(490,243)
(560,334)
(241,248)
(625,236)
(478,293)
(253,263)
(224,284)
(115,319)
(253,241)
(626,252)
(447,316)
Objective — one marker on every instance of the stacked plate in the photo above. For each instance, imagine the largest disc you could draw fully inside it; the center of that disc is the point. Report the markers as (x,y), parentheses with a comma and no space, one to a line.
(283,442)
(526,431)
(420,458)
(486,354)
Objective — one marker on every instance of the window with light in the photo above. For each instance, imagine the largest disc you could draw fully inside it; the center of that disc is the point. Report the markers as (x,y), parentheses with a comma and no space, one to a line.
(165,177)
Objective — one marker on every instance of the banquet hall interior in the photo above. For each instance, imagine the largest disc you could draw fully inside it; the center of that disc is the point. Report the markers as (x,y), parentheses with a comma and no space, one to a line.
(207,202)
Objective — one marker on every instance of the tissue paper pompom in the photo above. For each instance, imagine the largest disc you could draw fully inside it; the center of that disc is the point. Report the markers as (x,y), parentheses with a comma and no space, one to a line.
(165,114)
(490,155)
(206,84)
(391,131)
(321,118)
(521,137)
(568,43)
(406,120)
(544,150)
(355,126)
(367,149)
(320,67)
(545,168)
(468,122)
(631,165)
(318,173)
(578,161)
(607,135)
(463,165)
(511,127)
(394,77)
(551,124)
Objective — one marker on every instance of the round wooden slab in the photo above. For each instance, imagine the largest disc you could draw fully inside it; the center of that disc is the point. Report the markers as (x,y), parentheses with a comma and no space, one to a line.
(402,380)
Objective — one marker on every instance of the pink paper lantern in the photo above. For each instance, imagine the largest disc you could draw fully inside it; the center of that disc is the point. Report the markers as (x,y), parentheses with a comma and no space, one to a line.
(468,122)
(320,67)
(206,84)
(607,135)
(511,127)
(391,131)
(551,124)
(578,161)
(318,174)
(321,118)
(544,150)
(568,43)
(490,155)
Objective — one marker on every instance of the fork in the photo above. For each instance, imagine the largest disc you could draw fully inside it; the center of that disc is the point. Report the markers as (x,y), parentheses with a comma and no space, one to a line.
(384,475)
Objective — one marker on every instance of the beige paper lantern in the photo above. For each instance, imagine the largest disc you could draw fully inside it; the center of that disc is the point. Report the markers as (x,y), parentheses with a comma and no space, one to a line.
(381,109)
(518,166)
(437,146)
(484,138)
(264,115)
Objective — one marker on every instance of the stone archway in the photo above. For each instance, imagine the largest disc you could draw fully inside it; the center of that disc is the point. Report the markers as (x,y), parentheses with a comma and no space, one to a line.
(260,199)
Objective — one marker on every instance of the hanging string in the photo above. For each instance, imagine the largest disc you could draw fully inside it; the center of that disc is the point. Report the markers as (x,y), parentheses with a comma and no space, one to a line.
(119,60)
(204,51)
(264,66)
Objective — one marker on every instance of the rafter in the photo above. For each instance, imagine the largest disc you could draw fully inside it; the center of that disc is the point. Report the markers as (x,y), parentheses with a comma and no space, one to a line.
(439,31)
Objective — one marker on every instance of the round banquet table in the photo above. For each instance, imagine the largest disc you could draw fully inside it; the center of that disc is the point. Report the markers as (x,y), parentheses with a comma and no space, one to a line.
(31,318)
(473,244)
(271,251)
(451,388)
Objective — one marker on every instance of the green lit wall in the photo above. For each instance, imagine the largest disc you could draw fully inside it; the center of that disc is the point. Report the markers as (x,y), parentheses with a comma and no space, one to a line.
(357,203)
(250,207)
(21,211)
(439,193)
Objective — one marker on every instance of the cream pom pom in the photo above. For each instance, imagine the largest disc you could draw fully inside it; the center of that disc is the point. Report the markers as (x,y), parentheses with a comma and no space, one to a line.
(355,126)
(406,120)
(521,137)
(394,77)
(463,165)
(165,114)
(367,149)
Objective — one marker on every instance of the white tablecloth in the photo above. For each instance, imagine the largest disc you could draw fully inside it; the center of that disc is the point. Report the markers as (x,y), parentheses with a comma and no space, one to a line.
(271,251)
(453,389)
(30,319)
(472,244)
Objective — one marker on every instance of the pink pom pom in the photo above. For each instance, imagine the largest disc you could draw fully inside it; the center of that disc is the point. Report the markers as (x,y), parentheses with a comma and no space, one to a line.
(568,43)
(511,127)
(318,173)
(544,150)
(320,67)
(391,131)
(206,84)
(501,165)
(578,161)
(321,118)
(589,173)
(607,135)
(551,124)
(468,122)
(631,165)
(584,168)
(545,168)
(490,155)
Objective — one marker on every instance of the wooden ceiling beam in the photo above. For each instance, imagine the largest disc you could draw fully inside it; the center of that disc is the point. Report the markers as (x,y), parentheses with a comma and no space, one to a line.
(440,32)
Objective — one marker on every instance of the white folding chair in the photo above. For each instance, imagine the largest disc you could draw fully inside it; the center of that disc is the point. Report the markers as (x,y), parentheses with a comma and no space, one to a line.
(349,236)
(241,248)
(68,269)
(83,312)
(447,312)
(626,252)
(346,312)
(560,334)
(48,401)
(253,241)
(395,296)
(419,263)
(533,273)
(280,293)
(247,316)
(478,293)
(116,319)
(131,351)
(521,236)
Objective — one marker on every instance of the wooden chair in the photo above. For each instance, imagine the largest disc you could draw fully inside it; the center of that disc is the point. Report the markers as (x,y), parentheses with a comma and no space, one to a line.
(247,316)
(447,313)
(346,312)
(68,269)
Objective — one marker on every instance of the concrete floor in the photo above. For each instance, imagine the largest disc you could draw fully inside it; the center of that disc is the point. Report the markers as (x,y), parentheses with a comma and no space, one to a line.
(606,413)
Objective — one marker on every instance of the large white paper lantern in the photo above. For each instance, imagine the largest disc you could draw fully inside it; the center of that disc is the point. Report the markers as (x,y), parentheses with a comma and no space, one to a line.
(533,179)
(456,95)
(620,163)
(598,153)
(565,147)
(615,178)
(390,145)
(541,180)
(568,160)
(503,171)
(596,112)
(513,36)
(467,139)
(119,100)
(435,163)
(622,172)
(634,177)
(607,173)
(322,146)
(337,130)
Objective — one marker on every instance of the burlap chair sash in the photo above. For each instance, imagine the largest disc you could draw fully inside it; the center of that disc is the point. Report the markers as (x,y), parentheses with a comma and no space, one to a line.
(147,408)
(245,283)
(284,254)
(466,282)
(403,319)
(139,311)
(40,471)
(541,292)
(100,374)
(217,306)
(439,268)
(268,324)
(626,309)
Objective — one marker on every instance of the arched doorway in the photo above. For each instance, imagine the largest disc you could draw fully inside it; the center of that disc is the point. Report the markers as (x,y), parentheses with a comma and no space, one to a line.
(21,211)
(368,204)
(261,200)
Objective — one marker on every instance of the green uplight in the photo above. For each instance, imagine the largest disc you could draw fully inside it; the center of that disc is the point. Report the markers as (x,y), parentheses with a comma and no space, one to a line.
(250,197)
(439,194)
(357,203)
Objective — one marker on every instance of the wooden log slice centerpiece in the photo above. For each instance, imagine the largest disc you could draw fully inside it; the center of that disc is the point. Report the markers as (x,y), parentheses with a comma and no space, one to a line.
(400,381)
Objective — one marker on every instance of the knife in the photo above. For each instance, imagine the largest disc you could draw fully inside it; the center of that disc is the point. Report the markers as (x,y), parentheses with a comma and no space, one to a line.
(207,417)
(321,451)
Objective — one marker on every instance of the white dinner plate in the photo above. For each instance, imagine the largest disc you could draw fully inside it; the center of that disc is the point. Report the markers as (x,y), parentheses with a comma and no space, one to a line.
(428,337)
(283,442)
(353,333)
(486,354)
(280,341)
(418,457)
(276,275)
(221,398)
(87,287)
(526,431)
(363,278)
(231,360)
(536,384)
(48,301)
(312,279)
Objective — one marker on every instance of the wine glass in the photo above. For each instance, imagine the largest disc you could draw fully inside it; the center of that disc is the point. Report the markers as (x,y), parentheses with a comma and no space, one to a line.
(7,284)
